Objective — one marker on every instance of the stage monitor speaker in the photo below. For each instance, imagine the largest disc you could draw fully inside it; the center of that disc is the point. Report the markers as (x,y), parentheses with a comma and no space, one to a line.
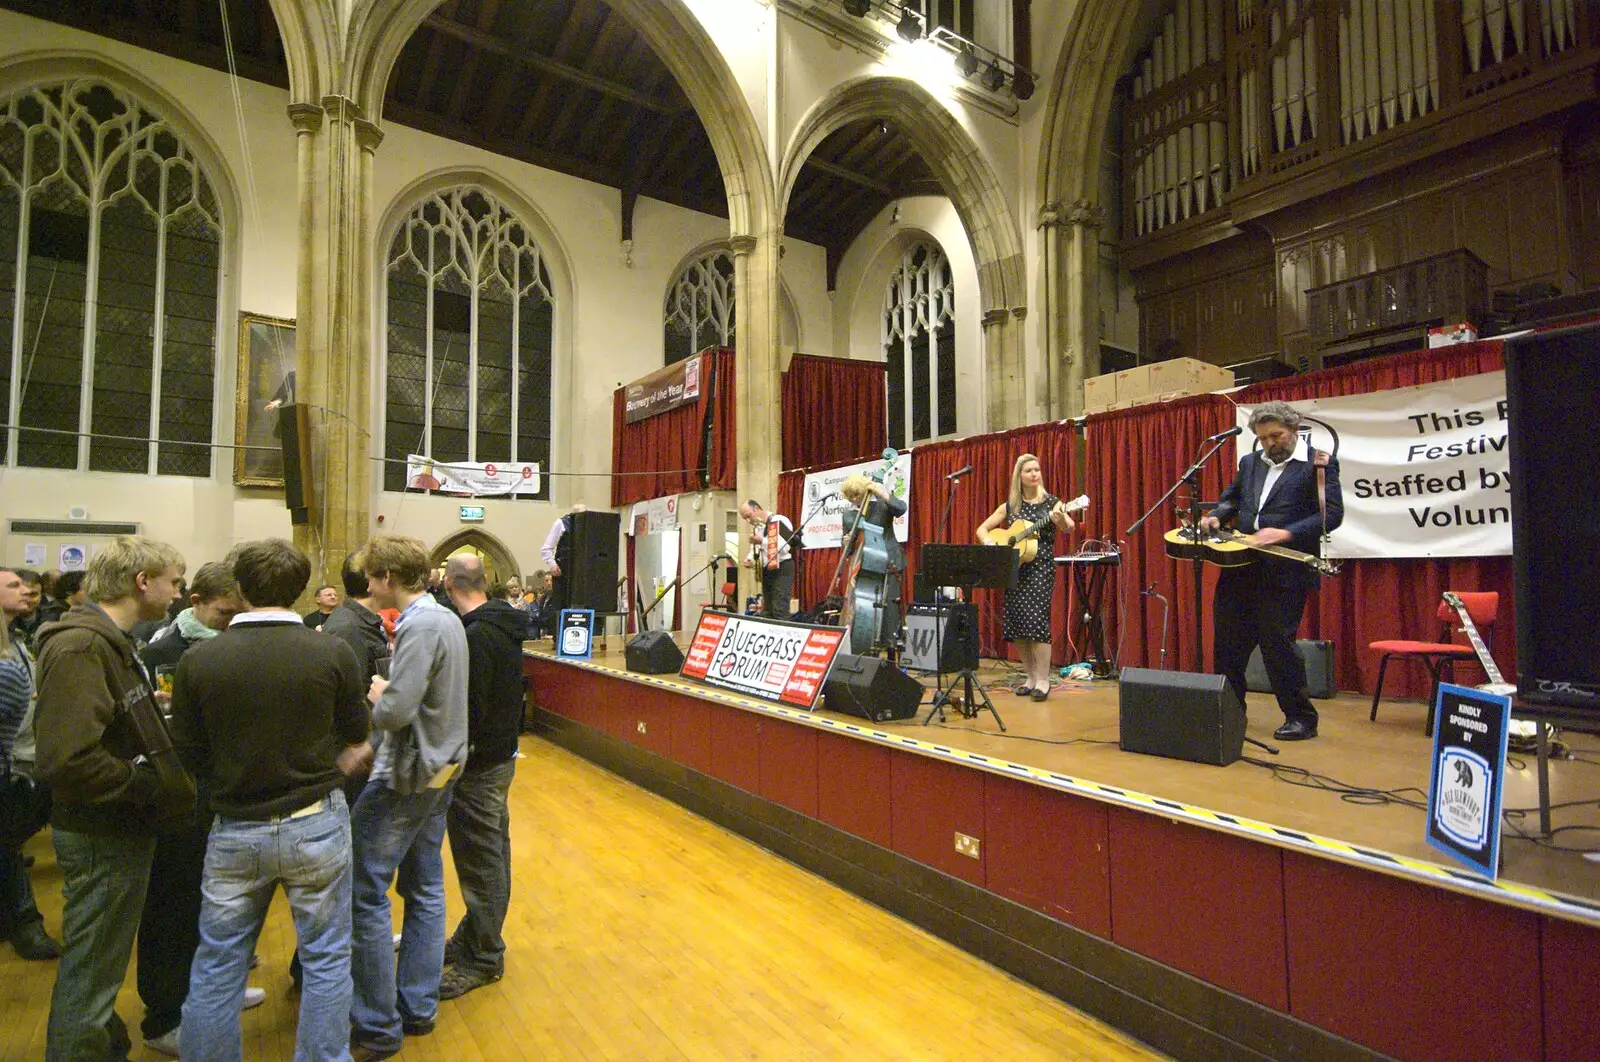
(294,436)
(1552,392)
(1180,714)
(1318,658)
(654,653)
(959,651)
(593,569)
(871,688)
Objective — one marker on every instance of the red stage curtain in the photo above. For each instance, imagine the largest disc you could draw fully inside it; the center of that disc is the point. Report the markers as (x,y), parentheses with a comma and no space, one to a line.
(663,454)
(977,495)
(1135,454)
(834,411)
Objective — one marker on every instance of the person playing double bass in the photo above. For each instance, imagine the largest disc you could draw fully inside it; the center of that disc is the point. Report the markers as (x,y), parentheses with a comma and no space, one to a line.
(878,508)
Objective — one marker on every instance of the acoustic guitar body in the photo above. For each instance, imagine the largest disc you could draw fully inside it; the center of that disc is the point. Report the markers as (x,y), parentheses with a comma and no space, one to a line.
(1184,544)
(1027,548)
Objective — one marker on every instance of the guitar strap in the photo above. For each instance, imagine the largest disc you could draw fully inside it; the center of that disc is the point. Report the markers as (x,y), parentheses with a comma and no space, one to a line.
(1319,461)
(772,544)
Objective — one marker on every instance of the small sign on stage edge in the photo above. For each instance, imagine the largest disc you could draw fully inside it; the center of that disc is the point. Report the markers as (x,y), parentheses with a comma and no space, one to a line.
(575,634)
(472,514)
(772,659)
(1469,766)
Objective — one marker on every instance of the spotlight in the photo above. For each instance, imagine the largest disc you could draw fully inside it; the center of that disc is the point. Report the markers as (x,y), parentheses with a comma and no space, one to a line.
(910,27)
(992,77)
(966,61)
(858,8)
(1021,84)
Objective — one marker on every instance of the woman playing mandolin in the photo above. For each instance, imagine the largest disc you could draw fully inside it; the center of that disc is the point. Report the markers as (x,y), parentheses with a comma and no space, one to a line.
(1027,621)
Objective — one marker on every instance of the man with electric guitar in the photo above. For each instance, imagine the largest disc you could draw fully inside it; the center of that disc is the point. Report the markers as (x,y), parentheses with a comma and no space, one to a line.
(1284,500)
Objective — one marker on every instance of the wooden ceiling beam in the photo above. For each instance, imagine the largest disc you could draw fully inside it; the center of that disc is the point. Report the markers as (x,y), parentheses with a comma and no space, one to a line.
(605,86)
(429,122)
(844,173)
(499,97)
(430,70)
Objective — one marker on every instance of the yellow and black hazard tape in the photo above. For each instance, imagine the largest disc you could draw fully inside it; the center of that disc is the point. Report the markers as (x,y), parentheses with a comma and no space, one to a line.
(1499,891)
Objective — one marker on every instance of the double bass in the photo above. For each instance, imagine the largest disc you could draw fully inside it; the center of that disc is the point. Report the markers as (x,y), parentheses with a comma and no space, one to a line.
(865,603)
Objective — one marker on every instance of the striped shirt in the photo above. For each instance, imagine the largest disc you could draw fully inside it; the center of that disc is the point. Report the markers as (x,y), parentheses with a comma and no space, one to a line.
(16,693)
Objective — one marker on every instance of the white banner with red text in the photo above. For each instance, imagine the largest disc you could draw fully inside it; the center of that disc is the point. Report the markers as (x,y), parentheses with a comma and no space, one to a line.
(825,506)
(771,659)
(471,478)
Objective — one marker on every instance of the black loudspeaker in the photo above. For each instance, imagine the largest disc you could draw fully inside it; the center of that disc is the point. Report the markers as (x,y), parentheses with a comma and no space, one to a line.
(959,651)
(654,653)
(871,688)
(1552,392)
(1180,714)
(294,435)
(591,575)
(1318,658)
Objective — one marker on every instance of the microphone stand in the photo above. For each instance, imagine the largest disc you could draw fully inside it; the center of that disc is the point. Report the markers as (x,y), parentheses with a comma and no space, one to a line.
(1191,476)
(675,584)
(938,605)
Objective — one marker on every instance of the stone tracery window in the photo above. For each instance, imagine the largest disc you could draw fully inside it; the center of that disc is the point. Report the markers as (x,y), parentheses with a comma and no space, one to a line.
(470,336)
(110,252)
(700,306)
(919,346)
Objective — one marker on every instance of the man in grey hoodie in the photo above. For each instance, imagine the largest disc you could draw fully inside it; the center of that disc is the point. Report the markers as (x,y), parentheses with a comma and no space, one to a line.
(399,822)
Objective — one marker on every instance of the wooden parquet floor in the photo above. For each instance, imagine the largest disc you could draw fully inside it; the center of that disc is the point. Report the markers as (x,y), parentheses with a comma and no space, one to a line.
(639,931)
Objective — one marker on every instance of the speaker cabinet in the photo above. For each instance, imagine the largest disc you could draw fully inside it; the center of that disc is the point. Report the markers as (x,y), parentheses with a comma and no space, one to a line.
(1180,714)
(1316,654)
(294,436)
(591,576)
(1552,392)
(654,653)
(871,688)
(959,648)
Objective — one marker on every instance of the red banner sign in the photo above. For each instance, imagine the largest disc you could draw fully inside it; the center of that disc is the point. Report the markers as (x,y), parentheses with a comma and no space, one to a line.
(778,661)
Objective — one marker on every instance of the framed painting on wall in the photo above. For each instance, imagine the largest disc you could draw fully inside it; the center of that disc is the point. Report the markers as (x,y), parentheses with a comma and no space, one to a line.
(265,382)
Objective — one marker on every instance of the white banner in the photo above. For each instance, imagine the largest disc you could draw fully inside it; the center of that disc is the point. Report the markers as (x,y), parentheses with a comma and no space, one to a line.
(826,529)
(474,478)
(1425,470)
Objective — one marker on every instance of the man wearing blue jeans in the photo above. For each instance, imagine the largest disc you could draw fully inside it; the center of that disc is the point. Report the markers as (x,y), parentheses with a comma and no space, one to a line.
(270,714)
(398,824)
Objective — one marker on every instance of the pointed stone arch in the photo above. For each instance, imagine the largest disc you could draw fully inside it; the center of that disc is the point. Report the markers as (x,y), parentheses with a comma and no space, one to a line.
(1093,56)
(497,556)
(980,202)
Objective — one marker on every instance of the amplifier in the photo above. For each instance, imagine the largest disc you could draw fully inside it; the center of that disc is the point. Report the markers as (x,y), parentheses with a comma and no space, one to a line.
(1321,680)
(959,625)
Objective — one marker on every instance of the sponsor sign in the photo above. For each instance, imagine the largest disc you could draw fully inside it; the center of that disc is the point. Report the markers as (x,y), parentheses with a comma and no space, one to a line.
(575,634)
(472,478)
(825,508)
(676,385)
(779,661)
(1425,470)
(1469,760)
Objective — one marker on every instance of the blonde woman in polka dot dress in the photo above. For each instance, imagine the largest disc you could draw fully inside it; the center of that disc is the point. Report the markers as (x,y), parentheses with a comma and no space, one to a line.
(1027,620)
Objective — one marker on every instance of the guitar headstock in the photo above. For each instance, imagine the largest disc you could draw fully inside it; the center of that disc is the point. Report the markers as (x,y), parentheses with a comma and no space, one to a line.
(1452,599)
(1077,504)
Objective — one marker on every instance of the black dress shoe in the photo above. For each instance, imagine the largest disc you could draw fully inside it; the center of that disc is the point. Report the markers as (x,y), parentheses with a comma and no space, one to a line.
(417,1028)
(1295,730)
(32,942)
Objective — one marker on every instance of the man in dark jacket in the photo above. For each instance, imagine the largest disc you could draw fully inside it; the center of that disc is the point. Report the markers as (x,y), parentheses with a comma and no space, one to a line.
(478,820)
(357,623)
(105,752)
(169,928)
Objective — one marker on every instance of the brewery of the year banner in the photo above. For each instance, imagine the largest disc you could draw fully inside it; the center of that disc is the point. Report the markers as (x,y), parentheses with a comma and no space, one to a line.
(824,506)
(1425,470)
(778,661)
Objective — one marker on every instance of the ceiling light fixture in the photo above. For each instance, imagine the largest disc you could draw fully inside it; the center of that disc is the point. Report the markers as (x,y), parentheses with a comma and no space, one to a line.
(967,61)
(993,78)
(910,27)
(858,8)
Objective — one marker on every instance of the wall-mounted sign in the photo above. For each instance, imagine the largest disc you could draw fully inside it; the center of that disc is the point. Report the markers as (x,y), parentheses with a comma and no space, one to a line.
(676,385)
(472,514)
(1469,766)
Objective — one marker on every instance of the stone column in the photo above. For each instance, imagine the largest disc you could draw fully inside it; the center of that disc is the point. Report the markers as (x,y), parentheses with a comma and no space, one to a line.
(1072,252)
(333,328)
(1007,361)
(755,268)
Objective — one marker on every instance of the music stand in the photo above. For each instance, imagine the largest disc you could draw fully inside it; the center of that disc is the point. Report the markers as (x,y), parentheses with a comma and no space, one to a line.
(967,567)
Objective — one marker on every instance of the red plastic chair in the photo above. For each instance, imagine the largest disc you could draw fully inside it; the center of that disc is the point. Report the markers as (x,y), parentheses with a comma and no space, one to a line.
(1482,607)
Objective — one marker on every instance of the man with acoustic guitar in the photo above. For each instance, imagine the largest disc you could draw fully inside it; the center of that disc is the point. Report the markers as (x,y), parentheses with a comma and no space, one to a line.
(1285,494)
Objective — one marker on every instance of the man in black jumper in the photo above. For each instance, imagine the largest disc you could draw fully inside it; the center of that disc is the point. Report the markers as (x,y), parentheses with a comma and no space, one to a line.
(478,821)
(270,714)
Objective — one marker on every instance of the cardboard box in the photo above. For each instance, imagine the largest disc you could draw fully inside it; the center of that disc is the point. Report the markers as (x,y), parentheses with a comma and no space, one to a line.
(1451,334)
(1099,393)
(1133,383)
(1187,376)
(1160,396)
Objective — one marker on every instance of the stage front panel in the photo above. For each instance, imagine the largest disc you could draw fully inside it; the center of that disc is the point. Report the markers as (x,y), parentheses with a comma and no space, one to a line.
(853,788)
(1571,963)
(931,802)
(789,766)
(1049,851)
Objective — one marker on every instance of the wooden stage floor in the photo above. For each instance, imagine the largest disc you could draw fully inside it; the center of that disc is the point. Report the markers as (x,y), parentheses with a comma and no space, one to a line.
(1074,733)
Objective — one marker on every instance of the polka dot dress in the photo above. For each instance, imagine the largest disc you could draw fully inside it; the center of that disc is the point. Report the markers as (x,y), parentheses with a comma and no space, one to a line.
(1028,606)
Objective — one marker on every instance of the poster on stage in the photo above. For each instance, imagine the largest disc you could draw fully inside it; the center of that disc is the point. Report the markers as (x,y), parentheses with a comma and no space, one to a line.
(475,479)
(1469,765)
(770,659)
(1424,470)
(824,506)
(575,634)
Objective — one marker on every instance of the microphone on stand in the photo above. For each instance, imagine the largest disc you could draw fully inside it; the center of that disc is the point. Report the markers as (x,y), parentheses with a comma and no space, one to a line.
(958,473)
(1230,433)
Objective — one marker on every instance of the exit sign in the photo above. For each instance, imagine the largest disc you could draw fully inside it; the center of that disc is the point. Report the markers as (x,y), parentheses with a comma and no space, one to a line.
(472,514)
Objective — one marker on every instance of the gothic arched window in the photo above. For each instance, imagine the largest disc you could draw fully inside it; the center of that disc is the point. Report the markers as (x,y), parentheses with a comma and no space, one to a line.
(110,251)
(919,343)
(470,327)
(699,310)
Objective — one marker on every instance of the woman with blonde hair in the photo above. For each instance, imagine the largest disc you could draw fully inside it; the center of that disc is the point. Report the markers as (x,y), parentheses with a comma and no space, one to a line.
(1027,608)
